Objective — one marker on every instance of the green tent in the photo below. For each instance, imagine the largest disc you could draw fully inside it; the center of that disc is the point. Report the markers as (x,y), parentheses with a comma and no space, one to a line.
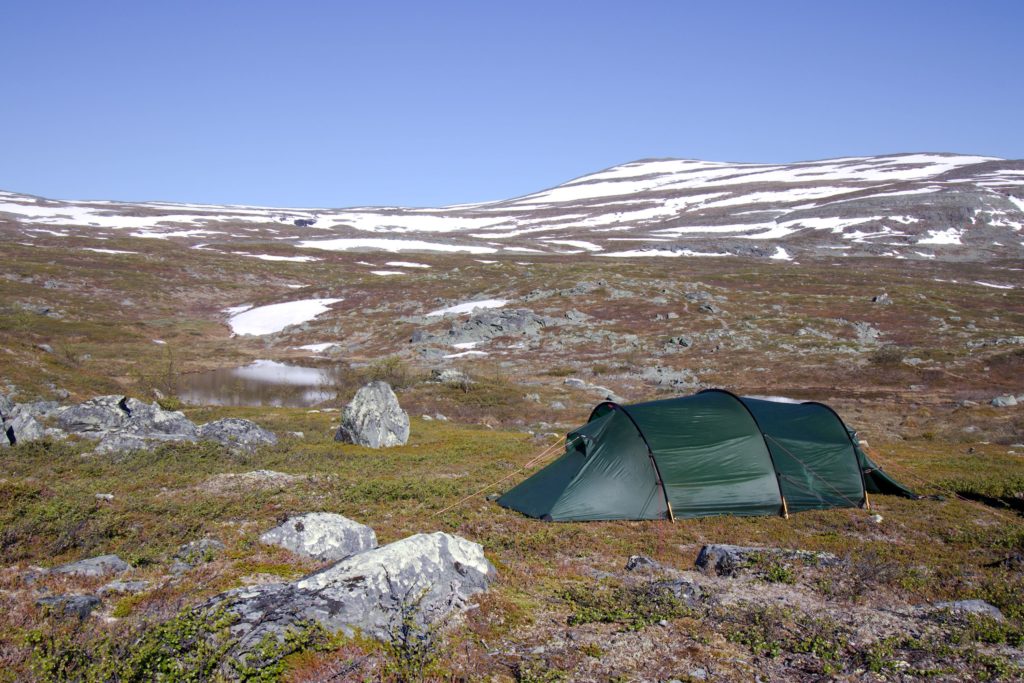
(713,453)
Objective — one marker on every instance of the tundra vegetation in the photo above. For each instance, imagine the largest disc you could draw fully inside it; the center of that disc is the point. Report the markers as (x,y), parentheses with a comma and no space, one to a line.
(563,607)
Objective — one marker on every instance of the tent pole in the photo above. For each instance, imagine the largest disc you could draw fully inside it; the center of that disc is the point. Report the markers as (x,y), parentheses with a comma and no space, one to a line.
(671,515)
(785,508)
(867,500)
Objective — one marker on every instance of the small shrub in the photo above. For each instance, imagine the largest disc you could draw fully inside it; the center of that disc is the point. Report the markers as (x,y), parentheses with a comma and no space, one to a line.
(634,607)
(776,572)
(413,646)
(889,356)
(392,370)
(534,671)
(772,631)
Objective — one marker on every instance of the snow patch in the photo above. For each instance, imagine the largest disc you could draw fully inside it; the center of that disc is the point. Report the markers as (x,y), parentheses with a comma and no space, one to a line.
(948,236)
(468,307)
(466,354)
(392,245)
(406,264)
(272,257)
(108,251)
(275,317)
(322,346)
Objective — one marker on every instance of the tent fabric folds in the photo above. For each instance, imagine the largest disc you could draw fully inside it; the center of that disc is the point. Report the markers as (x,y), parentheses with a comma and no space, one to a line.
(712,453)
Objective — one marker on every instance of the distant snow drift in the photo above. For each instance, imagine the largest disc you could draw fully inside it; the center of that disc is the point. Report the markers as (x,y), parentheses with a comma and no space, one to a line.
(275,317)
(469,307)
(957,206)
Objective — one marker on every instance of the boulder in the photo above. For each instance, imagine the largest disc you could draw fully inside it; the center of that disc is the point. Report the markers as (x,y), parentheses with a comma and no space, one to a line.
(6,406)
(93,566)
(374,419)
(121,443)
(37,409)
(100,414)
(1007,401)
(867,334)
(423,578)
(80,606)
(642,563)
(729,560)
(451,377)
(322,536)
(237,432)
(669,377)
(24,428)
(150,421)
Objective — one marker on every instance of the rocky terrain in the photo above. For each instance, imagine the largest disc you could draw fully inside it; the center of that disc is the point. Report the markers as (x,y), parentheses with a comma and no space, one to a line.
(363,408)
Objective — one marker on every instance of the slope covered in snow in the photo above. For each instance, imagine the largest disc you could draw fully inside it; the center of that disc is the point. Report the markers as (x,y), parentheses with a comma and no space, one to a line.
(912,205)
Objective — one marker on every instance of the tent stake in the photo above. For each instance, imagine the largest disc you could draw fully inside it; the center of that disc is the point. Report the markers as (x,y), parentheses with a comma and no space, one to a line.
(867,501)
(671,515)
(785,508)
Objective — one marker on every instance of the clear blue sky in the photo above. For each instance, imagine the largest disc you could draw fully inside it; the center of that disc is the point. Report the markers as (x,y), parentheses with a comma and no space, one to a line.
(432,102)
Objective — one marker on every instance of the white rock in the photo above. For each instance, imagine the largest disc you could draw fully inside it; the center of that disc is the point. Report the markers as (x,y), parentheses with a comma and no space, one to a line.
(322,536)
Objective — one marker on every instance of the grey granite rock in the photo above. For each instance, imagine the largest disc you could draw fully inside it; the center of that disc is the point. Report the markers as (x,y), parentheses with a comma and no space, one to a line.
(100,414)
(322,536)
(93,566)
(642,563)
(24,428)
(729,560)
(424,577)
(236,432)
(374,418)
(80,606)
(150,421)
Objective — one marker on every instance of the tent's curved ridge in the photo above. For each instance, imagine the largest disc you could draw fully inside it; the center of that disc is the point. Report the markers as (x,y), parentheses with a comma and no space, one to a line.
(650,451)
(853,446)
(767,448)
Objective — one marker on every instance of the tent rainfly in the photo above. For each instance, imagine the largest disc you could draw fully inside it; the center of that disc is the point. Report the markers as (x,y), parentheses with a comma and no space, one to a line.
(712,453)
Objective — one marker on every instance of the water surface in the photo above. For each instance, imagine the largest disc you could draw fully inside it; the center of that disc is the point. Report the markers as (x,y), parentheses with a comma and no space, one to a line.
(261,383)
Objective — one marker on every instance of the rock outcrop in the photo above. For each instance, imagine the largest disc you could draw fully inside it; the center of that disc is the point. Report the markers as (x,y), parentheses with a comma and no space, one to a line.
(423,577)
(322,536)
(121,424)
(374,418)
(80,606)
(488,324)
(238,433)
(730,560)
(101,565)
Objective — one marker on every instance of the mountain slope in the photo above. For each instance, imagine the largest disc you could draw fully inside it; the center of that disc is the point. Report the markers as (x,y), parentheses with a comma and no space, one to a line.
(908,205)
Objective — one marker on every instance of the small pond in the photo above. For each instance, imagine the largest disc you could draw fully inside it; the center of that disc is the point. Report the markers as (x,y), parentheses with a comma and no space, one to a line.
(261,383)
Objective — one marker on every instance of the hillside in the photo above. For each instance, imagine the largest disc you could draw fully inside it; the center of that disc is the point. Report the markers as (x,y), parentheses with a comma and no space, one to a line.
(919,206)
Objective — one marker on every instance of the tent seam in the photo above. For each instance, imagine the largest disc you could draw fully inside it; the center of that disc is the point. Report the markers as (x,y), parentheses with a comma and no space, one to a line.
(853,447)
(650,452)
(764,440)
